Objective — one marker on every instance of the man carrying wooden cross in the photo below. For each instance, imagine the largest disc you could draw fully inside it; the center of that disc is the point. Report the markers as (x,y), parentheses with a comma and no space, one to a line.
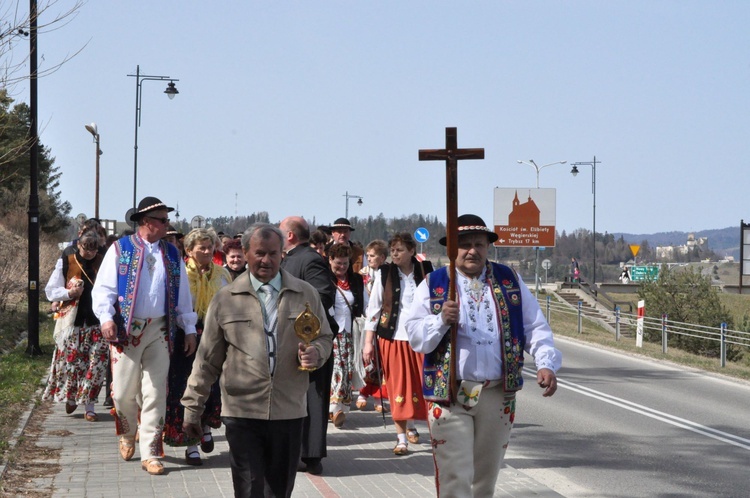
(473,320)
(498,319)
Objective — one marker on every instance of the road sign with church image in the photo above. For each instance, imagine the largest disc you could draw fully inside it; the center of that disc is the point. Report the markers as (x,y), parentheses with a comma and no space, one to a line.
(525,217)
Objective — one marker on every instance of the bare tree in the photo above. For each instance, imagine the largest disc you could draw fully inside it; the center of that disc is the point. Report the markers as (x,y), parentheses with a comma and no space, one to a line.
(15,24)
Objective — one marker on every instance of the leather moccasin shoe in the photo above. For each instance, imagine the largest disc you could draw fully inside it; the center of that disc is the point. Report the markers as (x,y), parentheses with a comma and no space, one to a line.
(70,408)
(153,466)
(401,449)
(127,447)
(338,419)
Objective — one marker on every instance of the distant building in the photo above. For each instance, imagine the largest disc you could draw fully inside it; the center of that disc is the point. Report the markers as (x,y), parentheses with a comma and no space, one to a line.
(669,252)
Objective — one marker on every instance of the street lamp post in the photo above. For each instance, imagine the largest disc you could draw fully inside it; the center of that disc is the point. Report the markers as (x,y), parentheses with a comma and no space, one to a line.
(574,172)
(171,91)
(95,132)
(351,196)
(538,168)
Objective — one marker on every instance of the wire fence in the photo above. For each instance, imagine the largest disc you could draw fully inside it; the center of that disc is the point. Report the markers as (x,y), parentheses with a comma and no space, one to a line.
(627,323)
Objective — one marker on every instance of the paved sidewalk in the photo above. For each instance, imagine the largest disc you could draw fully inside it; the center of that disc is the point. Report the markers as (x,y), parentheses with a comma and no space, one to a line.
(360,463)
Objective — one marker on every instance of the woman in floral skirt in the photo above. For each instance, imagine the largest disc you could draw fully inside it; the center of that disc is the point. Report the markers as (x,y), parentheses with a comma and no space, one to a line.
(79,364)
(349,304)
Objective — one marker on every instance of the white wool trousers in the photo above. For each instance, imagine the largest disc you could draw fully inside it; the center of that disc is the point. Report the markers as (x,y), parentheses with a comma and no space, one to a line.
(469,444)
(139,382)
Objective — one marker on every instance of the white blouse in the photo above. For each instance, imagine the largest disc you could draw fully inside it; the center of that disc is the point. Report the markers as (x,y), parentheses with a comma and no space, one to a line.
(341,308)
(374,307)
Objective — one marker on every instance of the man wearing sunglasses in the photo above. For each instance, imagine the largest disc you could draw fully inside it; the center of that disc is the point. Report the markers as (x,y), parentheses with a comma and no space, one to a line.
(141,295)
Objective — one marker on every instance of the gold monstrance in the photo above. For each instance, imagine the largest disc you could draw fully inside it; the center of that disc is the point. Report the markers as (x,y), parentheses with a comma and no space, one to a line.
(307,328)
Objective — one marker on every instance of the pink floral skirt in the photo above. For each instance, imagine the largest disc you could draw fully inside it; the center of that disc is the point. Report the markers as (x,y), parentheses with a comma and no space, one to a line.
(79,369)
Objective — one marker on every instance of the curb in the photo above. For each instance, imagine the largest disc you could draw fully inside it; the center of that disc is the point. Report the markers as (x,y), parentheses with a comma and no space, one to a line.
(22,423)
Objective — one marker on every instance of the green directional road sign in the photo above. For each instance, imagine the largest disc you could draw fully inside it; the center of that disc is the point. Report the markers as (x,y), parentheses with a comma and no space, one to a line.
(639,273)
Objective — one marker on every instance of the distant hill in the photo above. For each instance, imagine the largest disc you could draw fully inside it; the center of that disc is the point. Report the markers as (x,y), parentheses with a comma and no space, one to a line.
(723,241)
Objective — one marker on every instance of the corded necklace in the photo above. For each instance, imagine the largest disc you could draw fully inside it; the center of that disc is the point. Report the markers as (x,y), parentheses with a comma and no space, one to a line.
(84,271)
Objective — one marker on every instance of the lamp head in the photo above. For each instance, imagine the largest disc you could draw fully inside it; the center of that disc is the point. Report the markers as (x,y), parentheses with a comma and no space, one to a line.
(171,91)
(92,129)
(359,202)
(574,171)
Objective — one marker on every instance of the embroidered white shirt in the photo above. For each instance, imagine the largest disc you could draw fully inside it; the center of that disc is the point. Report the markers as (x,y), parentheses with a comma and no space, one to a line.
(479,358)
(150,301)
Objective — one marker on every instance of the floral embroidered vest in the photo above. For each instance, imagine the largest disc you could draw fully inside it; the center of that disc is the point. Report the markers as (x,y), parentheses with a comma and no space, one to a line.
(129,263)
(507,295)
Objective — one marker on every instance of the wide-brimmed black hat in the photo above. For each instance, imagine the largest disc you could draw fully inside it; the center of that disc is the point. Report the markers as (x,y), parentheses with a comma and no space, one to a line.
(172,230)
(471,223)
(147,205)
(341,223)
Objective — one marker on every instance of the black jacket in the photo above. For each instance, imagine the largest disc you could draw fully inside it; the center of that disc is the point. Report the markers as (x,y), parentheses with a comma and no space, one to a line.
(306,264)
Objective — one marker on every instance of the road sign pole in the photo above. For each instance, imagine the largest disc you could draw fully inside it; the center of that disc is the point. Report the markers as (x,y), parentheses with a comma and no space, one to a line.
(421,235)
(536,274)
(546,264)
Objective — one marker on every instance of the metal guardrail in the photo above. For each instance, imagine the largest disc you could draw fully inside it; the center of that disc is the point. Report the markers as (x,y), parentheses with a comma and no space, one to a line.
(663,326)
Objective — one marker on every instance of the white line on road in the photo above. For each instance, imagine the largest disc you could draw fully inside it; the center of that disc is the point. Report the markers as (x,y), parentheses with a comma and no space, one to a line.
(655,414)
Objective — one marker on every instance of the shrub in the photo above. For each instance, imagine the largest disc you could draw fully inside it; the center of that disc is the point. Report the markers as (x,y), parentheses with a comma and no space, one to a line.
(686,296)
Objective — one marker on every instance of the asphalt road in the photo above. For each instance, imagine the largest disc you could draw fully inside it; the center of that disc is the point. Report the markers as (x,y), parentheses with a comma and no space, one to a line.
(625,426)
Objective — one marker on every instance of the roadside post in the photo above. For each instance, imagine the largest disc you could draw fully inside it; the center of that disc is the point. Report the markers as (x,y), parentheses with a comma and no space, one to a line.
(639,324)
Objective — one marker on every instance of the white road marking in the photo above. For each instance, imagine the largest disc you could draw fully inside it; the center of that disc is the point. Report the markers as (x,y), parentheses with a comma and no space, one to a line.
(725,437)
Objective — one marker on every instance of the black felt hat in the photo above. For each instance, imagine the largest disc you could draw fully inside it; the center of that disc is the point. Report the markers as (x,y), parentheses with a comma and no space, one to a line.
(147,205)
(342,223)
(471,223)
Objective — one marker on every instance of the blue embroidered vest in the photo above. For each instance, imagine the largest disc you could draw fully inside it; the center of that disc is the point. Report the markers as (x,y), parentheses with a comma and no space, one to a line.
(129,263)
(507,295)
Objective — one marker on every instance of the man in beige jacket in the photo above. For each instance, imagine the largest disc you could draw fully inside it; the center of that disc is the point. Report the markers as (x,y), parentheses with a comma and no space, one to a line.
(249,339)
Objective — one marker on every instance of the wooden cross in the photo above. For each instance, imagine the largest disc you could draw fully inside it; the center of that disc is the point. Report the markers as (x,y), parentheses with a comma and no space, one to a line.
(451,155)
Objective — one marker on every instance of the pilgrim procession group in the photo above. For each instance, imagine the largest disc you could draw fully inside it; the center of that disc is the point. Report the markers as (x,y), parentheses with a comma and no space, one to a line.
(278,332)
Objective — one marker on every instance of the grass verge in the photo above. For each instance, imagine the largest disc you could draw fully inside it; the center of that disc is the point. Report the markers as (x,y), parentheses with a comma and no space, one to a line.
(20,374)
(566,324)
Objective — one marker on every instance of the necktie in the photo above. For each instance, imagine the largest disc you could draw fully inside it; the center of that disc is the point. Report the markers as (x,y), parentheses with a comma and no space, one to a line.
(270,318)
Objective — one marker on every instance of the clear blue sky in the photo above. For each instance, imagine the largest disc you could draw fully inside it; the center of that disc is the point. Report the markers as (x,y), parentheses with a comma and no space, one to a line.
(289,105)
